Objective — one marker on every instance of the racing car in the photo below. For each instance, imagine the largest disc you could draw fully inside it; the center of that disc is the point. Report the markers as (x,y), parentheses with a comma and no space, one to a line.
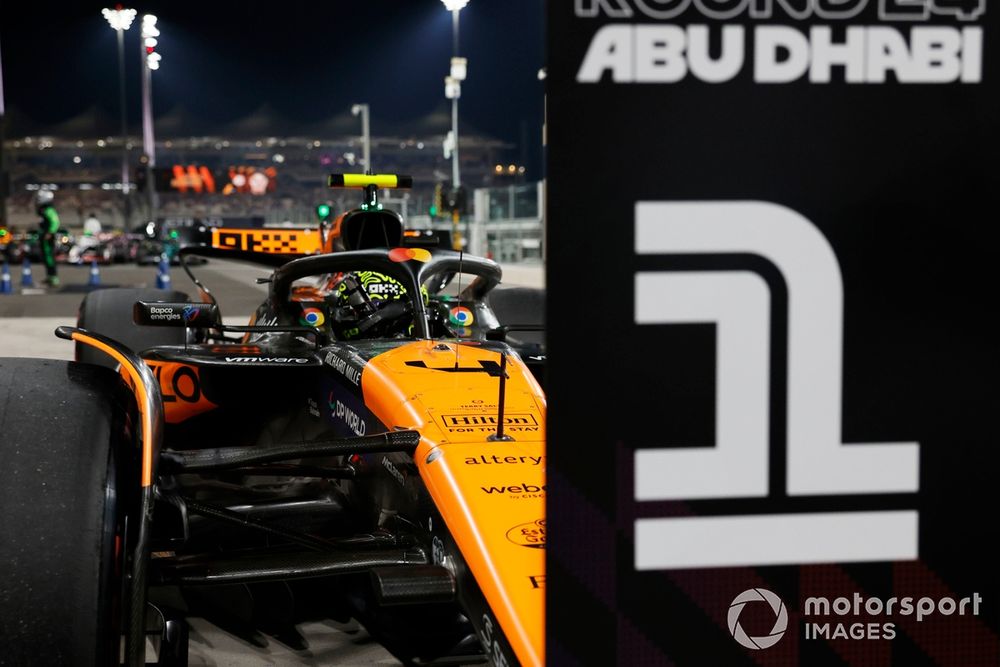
(364,448)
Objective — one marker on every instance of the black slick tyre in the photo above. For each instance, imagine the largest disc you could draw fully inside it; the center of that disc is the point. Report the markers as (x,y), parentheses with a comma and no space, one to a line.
(60,518)
(109,312)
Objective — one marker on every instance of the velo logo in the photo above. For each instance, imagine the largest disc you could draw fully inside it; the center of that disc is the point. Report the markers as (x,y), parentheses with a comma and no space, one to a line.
(780,618)
(738,303)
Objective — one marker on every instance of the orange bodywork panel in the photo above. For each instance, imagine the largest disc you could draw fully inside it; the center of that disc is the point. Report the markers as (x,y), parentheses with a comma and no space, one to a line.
(133,380)
(278,241)
(180,385)
(490,494)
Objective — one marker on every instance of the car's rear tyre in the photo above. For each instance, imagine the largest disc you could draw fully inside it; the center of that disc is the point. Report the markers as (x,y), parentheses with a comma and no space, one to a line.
(109,312)
(60,520)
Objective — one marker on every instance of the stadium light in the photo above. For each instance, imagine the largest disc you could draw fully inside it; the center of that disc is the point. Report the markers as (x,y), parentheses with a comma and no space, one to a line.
(151,58)
(455,5)
(149,42)
(459,68)
(120,19)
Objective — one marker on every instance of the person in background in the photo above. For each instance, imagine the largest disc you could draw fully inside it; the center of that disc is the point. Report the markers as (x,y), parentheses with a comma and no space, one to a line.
(92,226)
(89,239)
(49,225)
(6,243)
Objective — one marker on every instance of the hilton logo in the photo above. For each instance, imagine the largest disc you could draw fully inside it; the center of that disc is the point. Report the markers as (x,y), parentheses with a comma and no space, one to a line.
(516,422)
(489,420)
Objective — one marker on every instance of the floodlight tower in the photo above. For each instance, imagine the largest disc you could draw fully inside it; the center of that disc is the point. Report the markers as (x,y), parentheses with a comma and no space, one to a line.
(453,87)
(120,19)
(150,62)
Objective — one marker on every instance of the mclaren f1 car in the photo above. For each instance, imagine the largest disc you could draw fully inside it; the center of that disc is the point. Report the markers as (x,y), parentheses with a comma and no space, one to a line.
(370,446)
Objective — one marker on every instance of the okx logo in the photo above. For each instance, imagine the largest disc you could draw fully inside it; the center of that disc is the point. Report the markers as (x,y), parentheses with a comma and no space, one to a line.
(756,595)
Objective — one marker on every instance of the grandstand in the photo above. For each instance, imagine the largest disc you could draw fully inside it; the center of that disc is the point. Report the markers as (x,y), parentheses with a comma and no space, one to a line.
(81,160)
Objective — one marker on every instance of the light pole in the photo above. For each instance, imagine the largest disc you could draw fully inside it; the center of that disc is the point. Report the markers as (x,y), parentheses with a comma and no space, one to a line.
(453,87)
(150,62)
(453,91)
(366,136)
(120,19)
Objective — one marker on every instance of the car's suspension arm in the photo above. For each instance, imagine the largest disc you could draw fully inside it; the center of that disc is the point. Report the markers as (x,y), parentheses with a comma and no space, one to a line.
(220,458)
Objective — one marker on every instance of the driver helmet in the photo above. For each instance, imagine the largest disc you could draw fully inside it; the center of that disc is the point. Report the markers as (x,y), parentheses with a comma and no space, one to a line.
(361,287)
(379,287)
(44,197)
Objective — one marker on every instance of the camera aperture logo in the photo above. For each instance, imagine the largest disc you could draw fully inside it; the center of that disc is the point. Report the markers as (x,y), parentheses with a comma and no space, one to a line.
(780,618)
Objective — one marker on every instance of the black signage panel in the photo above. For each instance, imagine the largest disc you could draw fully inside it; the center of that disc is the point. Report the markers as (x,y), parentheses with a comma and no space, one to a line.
(772,418)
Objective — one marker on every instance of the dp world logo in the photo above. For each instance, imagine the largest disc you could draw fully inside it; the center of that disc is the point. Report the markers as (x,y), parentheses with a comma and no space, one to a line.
(780,618)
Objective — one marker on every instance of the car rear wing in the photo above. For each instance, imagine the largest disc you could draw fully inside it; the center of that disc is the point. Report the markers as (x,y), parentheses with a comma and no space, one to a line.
(365,181)
(268,247)
(293,242)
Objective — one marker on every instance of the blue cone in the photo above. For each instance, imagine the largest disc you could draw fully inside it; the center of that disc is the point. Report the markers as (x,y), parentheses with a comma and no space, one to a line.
(163,274)
(95,274)
(27,280)
(5,285)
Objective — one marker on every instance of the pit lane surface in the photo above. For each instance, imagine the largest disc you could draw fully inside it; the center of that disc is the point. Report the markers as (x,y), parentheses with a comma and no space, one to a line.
(27,322)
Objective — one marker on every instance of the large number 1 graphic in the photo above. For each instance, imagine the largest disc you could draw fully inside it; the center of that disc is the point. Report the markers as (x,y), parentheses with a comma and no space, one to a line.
(818,462)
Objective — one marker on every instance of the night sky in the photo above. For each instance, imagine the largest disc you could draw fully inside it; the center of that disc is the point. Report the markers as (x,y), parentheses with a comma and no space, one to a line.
(306,60)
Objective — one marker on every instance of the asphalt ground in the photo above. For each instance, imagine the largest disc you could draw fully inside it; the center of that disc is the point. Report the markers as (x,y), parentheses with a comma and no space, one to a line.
(231,282)
(28,318)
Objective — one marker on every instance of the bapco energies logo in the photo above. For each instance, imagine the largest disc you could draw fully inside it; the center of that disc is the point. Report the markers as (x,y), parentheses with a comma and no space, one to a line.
(780,622)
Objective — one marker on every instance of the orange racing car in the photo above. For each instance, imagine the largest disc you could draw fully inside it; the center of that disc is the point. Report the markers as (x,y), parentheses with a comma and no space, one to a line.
(367,447)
